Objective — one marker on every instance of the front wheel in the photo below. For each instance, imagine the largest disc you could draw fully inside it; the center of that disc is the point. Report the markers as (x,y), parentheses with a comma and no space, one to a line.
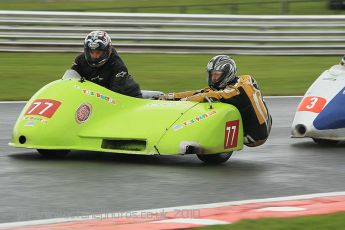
(325,142)
(53,152)
(218,158)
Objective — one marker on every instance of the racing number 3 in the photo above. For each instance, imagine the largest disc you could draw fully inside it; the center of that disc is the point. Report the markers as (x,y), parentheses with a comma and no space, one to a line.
(312,104)
(43,107)
(231,134)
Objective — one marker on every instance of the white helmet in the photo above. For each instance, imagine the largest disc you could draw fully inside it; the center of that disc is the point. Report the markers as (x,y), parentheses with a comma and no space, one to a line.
(97,40)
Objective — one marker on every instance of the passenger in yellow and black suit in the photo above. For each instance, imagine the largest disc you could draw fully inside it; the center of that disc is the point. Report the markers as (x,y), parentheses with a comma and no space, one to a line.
(242,92)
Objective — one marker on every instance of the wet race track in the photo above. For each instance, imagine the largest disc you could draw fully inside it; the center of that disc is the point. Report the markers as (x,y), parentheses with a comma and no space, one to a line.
(32,187)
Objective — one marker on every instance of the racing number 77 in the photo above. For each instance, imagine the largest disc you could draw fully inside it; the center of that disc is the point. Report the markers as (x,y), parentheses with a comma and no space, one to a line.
(231,134)
(36,104)
(43,107)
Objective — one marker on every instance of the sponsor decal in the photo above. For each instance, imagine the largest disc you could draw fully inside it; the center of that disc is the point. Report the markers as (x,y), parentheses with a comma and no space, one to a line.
(96,94)
(231,134)
(83,113)
(43,107)
(31,118)
(99,95)
(194,120)
(312,104)
(330,78)
(30,123)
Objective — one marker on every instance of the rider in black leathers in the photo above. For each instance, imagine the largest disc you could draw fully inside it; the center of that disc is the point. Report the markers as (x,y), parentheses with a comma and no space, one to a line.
(101,64)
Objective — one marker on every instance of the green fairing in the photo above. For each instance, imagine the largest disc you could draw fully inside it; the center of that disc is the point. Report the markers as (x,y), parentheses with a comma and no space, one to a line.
(124,124)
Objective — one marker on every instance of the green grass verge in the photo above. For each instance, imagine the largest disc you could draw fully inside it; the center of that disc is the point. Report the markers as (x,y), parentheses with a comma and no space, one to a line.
(22,74)
(312,7)
(331,221)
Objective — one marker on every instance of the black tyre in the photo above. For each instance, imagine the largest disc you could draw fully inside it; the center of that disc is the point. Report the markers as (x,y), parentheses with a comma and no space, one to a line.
(218,158)
(53,152)
(325,142)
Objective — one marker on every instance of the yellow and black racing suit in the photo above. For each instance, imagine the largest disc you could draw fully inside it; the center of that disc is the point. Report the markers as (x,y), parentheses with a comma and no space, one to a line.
(246,96)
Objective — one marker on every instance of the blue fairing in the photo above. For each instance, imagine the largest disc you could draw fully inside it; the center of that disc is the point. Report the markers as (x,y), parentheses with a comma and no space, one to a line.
(333,115)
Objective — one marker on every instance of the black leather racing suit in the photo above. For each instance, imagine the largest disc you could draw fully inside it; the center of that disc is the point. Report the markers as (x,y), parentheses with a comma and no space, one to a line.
(112,75)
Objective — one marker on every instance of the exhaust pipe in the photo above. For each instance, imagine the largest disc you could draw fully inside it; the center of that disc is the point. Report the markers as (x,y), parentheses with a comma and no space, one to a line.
(299,131)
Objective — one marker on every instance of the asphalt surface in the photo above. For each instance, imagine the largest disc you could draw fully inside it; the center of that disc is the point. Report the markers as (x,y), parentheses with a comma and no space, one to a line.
(32,187)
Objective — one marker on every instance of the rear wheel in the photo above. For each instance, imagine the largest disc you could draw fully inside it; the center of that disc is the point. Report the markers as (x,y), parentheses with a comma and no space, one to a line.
(53,152)
(325,142)
(218,158)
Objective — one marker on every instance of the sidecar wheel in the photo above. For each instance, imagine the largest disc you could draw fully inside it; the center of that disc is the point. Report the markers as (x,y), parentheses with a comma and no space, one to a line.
(218,158)
(53,152)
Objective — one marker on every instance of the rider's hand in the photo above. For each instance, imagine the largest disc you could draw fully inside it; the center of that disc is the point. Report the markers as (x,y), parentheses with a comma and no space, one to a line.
(169,96)
(156,97)
(159,97)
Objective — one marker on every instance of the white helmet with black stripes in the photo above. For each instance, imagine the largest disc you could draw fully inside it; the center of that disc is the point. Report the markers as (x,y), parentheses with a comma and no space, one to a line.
(226,66)
(97,41)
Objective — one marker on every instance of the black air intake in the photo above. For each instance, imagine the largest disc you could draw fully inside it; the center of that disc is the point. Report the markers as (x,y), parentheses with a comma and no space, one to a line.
(128,145)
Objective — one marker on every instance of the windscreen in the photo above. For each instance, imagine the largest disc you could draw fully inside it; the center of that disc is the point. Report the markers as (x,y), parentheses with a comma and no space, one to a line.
(71,74)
